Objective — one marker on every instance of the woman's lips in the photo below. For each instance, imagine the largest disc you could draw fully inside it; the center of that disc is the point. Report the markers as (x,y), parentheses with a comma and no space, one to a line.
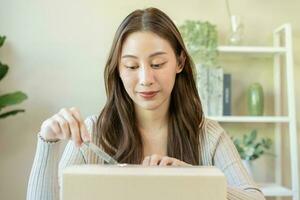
(148,95)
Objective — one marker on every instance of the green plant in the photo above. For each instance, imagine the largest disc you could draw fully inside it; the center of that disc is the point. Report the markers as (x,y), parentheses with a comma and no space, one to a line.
(201,39)
(249,148)
(10,98)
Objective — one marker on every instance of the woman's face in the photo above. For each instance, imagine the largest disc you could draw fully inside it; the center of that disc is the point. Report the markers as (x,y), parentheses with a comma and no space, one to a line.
(148,68)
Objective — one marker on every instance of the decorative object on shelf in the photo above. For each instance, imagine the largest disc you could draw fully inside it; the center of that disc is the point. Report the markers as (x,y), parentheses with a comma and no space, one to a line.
(11,98)
(255,99)
(227,94)
(250,149)
(215,91)
(202,86)
(210,89)
(201,39)
(237,27)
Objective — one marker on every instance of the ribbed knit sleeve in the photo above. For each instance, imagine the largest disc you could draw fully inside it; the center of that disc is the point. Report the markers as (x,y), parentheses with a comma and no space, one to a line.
(44,173)
(45,177)
(224,155)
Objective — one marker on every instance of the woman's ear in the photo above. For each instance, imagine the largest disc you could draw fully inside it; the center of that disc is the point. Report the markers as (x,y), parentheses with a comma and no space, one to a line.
(180,62)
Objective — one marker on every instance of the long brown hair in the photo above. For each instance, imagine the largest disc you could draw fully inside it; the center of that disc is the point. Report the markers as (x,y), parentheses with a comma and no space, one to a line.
(118,133)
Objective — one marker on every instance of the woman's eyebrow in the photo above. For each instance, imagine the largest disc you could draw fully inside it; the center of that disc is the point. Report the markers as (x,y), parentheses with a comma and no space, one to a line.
(152,55)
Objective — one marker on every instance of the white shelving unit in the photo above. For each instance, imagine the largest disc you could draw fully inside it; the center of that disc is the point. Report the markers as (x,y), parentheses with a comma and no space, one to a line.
(281,52)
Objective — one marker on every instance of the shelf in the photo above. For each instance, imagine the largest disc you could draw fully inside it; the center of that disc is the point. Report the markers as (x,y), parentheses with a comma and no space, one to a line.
(281,55)
(251,119)
(272,190)
(251,49)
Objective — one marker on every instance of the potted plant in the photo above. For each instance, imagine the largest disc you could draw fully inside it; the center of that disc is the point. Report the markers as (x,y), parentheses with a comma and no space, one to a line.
(250,148)
(201,39)
(10,98)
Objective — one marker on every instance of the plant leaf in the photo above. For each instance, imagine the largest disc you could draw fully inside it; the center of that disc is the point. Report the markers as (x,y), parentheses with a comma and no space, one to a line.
(253,134)
(13,112)
(3,70)
(251,138)
(12,99)
(201,41)
(2,40)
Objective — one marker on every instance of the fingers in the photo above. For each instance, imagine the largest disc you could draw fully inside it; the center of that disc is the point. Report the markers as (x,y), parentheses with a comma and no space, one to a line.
(155,159)
(66,124)
(146,161)
(162,161)
(166,161)
(73,125)
(50,129)
(152,160)
(64,127)
(83,130)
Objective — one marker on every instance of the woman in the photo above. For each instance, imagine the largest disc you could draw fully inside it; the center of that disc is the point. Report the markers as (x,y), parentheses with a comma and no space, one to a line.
(153,114)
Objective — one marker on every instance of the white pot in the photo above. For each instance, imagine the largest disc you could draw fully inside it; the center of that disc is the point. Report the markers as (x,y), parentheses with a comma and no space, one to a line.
(248,166)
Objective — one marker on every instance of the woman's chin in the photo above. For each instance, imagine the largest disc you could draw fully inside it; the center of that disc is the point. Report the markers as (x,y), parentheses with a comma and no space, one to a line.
(148,105)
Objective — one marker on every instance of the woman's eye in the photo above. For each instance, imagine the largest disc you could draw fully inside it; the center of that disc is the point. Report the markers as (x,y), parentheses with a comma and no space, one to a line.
(158,65)
(131,67)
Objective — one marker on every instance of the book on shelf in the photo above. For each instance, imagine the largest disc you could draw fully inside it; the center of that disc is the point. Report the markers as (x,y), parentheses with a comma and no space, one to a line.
(227,94)
(215,91)
(202,86)
(210,89)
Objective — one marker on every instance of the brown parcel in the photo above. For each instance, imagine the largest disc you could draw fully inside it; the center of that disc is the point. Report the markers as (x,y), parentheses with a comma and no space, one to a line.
(136,182)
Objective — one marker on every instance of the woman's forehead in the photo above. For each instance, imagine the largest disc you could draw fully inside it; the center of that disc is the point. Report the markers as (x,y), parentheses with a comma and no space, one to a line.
(144,43)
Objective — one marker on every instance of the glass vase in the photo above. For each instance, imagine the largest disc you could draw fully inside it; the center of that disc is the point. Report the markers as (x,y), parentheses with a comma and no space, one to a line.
(255,97)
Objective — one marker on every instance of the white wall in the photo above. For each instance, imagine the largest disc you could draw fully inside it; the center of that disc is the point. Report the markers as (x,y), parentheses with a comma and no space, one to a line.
(56,51)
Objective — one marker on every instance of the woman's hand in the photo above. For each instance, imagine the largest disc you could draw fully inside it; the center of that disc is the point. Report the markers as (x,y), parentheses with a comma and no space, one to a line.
(163,161)
(64,125)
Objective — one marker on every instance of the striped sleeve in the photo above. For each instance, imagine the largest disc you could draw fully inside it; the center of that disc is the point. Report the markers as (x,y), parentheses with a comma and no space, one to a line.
(225,156)
(45,177)
(44,173)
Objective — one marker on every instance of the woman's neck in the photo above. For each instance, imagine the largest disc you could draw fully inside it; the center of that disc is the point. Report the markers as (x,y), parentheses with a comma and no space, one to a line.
(152,120)
(153,127)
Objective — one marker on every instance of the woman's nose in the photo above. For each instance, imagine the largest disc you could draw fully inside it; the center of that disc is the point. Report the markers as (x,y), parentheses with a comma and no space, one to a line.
(146,76)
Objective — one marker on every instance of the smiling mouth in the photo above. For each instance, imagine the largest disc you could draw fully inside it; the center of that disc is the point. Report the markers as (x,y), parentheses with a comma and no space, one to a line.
(148,95)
